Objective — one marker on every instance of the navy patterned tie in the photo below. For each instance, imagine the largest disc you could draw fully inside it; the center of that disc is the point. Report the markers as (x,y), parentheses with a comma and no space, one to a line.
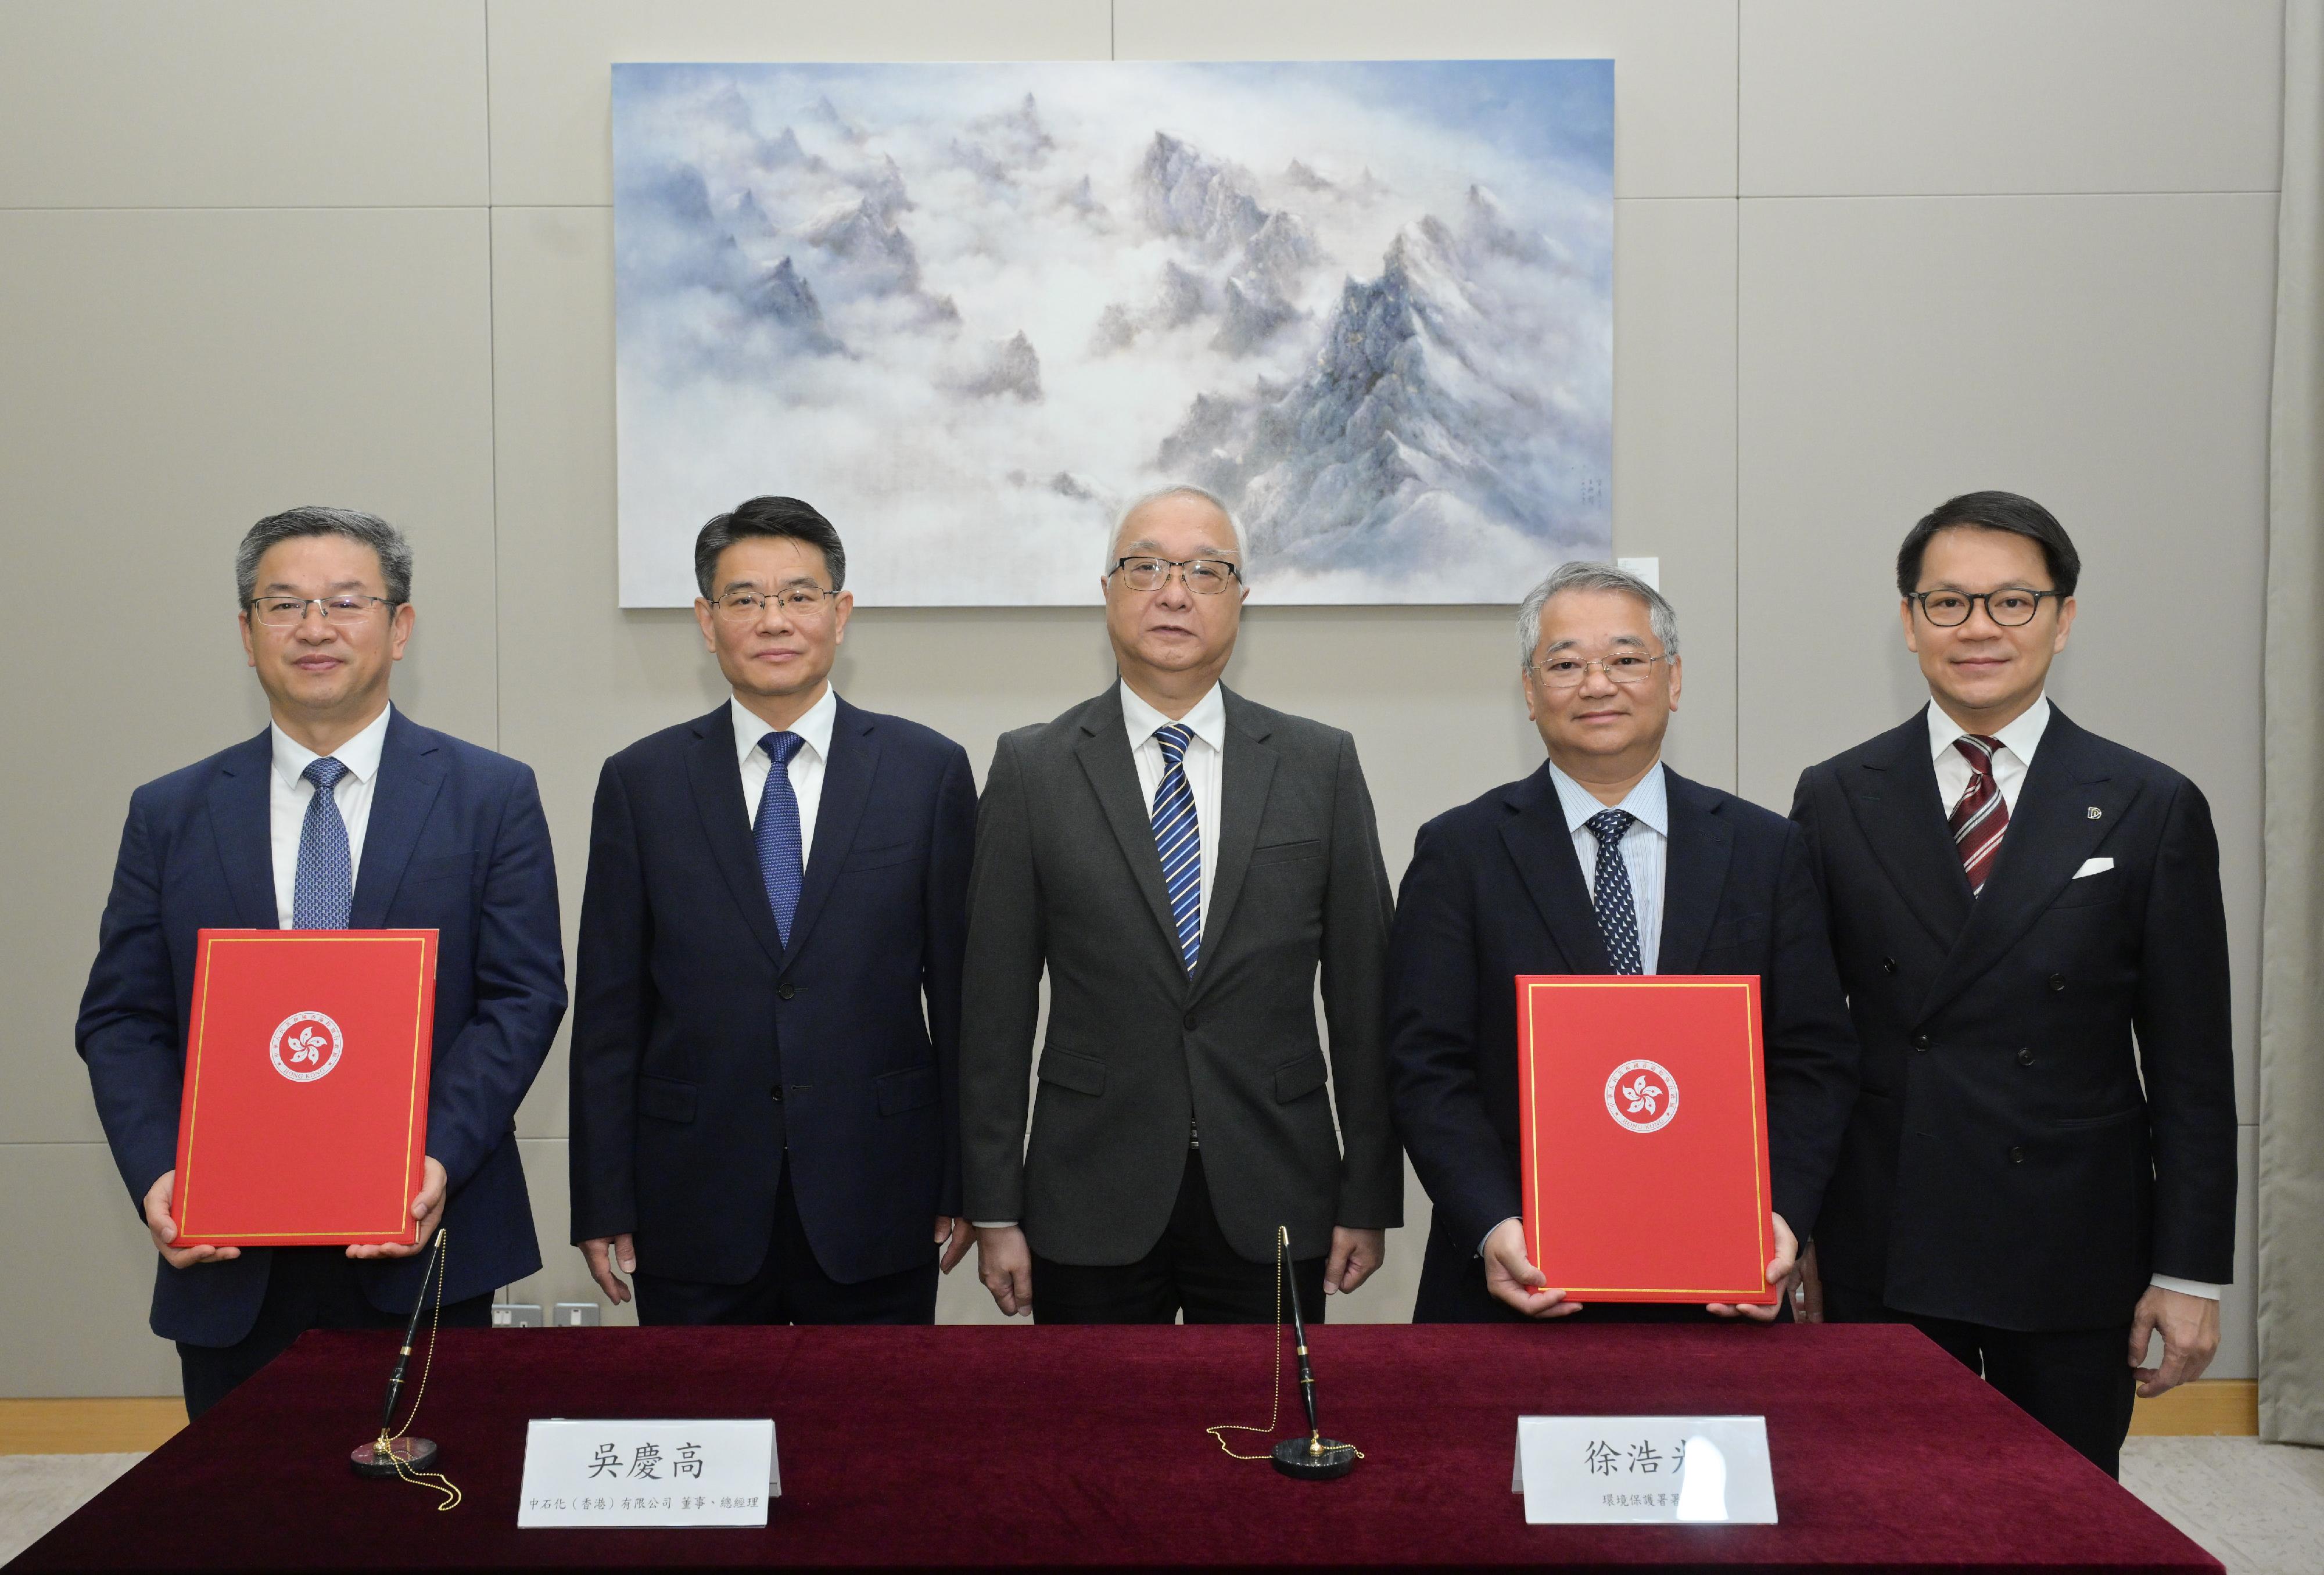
(1617,917)
(1179,840)
(781,858)
(324,892)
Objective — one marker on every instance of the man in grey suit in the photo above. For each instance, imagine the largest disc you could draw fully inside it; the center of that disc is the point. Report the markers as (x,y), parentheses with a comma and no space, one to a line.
(1183,863)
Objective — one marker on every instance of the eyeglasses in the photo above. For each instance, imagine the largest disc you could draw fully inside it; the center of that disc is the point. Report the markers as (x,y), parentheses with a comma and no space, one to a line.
(1206,576)
(798,601)
(1627,668)
(289,612)
(2010,609)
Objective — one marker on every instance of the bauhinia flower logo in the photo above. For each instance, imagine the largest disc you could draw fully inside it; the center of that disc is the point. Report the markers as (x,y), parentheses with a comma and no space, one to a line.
(305,1046)
(1642,1096)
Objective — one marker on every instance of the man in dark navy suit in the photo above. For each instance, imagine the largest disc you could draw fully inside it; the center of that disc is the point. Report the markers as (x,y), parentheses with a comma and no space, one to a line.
(2040,1169)
(766,1038)
(343,814)
(1604,860)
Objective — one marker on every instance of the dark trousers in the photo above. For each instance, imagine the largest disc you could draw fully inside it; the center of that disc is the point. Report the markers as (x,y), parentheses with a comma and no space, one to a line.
(307,1287)
(1452,1291)
(1192,1270)
(790,1286)
(2076,1381)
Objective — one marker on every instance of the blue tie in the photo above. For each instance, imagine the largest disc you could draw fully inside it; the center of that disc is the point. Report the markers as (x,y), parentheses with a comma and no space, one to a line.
(325,889)
(1618,918)
(777,831)
(1179,840)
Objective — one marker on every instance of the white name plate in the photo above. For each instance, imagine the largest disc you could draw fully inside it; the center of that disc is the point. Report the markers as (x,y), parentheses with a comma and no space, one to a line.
(1598,1470)
(627,1472)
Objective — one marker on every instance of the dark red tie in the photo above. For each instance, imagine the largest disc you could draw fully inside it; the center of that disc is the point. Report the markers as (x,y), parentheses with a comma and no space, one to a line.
(1982,815)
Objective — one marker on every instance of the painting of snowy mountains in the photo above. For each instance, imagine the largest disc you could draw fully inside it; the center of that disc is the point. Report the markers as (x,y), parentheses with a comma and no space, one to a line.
(969,311)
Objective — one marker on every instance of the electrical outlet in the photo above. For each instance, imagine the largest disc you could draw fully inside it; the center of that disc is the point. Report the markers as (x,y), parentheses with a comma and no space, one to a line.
(516,1315)
(578,1315)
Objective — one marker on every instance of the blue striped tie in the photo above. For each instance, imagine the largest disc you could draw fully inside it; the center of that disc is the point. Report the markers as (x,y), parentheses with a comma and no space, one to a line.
(781,860)
(1179,840)
(323,893)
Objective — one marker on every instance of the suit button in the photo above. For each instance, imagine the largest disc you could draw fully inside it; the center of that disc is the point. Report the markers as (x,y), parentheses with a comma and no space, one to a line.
(2057,982)
(1920,1041)
(1888,964)
(1190,1022)
(2017,1156)
(776,1093)
(786,989)
(2025,1058)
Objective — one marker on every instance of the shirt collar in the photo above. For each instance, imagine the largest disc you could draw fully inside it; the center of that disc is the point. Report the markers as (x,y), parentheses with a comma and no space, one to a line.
(360,754)
(1648,803)
(2020,737)
(1207,718)
(813,728)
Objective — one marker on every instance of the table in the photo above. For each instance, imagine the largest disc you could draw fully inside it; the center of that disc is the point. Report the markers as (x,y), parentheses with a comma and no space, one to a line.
(1052,1448)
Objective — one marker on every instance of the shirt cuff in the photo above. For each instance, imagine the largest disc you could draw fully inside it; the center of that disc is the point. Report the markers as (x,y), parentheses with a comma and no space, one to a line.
(1487,1236)
(995,1224)
(2187,1287)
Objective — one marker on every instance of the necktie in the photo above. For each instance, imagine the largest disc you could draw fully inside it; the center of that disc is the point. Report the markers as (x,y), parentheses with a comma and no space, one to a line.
(1617,917)
(325,889)
(1179,840)
(781,857)
(1982,815)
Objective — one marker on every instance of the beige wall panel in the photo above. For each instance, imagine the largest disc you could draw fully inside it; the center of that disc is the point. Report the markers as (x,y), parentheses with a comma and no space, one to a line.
(1673,78)
(74,1306)
(1904,97)
(241,103)
(2238,1355)
(551,63)
(564,1276)
(172,376)
(2109,355)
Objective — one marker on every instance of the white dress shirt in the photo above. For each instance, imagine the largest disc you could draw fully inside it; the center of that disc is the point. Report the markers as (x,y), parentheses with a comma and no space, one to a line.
(288,793)
(1644,848)
(806,769)
(2011,761)
(1205,758)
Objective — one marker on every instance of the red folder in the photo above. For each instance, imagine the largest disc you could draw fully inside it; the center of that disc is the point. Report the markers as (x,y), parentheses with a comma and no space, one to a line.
(305,1114)
(1644,1131)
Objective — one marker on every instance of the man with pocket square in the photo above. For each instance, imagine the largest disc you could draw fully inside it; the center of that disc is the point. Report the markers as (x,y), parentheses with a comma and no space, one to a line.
(766,1021)
(2040,1172)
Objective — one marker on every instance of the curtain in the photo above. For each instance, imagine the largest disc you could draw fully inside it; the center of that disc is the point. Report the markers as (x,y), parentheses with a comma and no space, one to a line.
(2290,1191)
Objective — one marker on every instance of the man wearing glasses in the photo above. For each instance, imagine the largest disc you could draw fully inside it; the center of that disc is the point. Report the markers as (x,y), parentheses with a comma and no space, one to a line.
(2012,900)
(1183,863)
(343,815)
(1604,860)
(766,1026)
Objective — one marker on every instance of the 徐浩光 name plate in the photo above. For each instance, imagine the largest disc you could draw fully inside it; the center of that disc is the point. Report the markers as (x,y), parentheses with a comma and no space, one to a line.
(1601,1471)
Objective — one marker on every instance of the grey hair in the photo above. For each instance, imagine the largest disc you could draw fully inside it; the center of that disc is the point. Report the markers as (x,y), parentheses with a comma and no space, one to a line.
(1182,490)
(1592,576)
(382,538)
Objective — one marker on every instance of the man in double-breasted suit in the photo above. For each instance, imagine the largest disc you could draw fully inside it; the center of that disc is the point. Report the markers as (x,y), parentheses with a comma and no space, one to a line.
(1604,860)
(767,1003)
(1183,863)
(2041,1168)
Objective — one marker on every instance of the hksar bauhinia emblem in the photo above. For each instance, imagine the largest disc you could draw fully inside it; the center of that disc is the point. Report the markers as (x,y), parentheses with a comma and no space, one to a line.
(306,1045)
(1642,1096)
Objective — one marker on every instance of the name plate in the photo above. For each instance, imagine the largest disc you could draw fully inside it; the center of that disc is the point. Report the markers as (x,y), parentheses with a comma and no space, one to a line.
(1600,1470)
(627,1472)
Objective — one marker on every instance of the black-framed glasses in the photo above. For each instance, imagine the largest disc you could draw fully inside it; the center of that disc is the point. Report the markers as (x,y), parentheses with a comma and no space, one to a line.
(289,612)
(1206,576)
(1627,667)
(2012,608)
(798,601)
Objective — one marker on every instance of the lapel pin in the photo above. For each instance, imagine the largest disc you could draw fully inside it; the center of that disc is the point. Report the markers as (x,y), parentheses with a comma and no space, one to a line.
(2096,813)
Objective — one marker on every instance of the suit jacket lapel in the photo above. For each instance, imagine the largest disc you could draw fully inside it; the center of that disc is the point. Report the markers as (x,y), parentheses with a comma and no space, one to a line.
(717,784)
(1248,771)
(409,773)
(1542,847)
(1894,796)
(1104,755)
(241,822)
(1695,873)
(847,774)
(2050,832)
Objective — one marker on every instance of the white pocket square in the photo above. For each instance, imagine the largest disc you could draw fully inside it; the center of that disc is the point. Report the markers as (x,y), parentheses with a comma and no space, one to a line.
(2094,867)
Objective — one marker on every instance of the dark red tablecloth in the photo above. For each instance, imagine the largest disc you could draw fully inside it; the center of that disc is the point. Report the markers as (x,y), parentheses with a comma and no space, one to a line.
(1052,1448)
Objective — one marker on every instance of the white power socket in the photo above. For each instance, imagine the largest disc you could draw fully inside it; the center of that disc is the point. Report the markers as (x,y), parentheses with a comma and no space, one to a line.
(516,1315)
(578,1315)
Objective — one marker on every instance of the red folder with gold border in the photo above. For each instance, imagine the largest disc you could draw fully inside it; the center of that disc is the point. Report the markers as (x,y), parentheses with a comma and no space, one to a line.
(1643,1125)
(304,1115)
